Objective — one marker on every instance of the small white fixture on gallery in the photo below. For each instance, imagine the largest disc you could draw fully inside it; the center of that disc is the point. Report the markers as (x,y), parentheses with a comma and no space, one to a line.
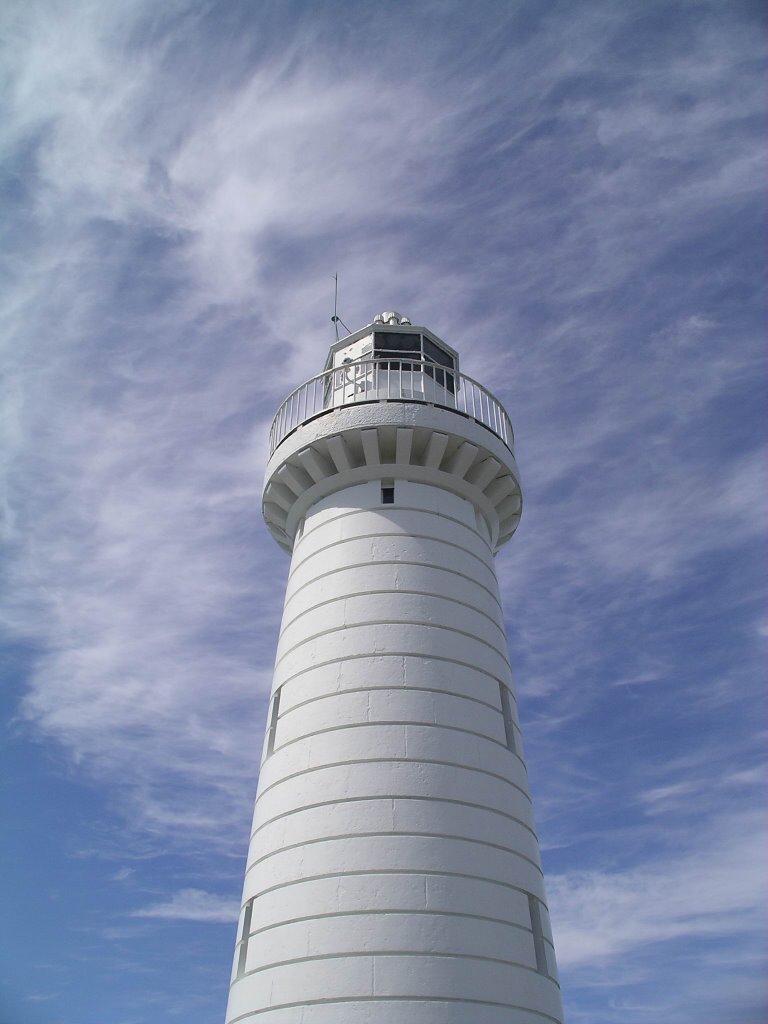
(393,873)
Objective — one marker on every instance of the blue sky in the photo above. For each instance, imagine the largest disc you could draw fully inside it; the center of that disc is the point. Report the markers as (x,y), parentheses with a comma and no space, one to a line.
(571,194)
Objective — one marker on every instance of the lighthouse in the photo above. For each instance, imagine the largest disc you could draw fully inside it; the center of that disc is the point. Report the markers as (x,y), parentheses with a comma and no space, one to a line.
(393,872)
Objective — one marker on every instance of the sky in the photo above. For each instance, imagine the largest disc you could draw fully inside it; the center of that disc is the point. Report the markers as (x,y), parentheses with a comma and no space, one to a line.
(570,194)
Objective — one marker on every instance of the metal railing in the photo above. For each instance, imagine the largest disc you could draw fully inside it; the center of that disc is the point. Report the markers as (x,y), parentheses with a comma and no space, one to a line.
(390,380)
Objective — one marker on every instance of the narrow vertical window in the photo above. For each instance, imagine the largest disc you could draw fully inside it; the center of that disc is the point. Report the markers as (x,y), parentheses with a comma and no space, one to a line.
(273,716)
(244,934)
(509,723)
(387,494)
(538,934)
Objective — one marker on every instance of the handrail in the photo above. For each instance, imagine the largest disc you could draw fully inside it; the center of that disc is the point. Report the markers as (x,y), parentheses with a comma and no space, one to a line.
(390,380)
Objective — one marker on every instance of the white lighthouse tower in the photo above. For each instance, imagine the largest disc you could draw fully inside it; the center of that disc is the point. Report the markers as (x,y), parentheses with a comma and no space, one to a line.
(393,874)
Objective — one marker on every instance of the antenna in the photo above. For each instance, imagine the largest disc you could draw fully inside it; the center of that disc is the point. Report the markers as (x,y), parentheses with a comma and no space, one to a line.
(335,319)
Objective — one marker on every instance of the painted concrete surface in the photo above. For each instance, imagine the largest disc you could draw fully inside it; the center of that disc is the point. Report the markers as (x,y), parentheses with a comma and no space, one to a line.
(393,870)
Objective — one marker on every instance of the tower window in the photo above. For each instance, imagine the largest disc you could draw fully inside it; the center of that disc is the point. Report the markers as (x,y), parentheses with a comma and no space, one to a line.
(387,494)
(395,350)
(244,934)
(538,934)
(272,730)
(435,354)
(404,346)
(506,711)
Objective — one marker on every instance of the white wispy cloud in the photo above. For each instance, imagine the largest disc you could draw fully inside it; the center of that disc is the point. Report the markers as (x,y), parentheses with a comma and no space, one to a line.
(122,874)
(676,936)
(716,888)
(192,905)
